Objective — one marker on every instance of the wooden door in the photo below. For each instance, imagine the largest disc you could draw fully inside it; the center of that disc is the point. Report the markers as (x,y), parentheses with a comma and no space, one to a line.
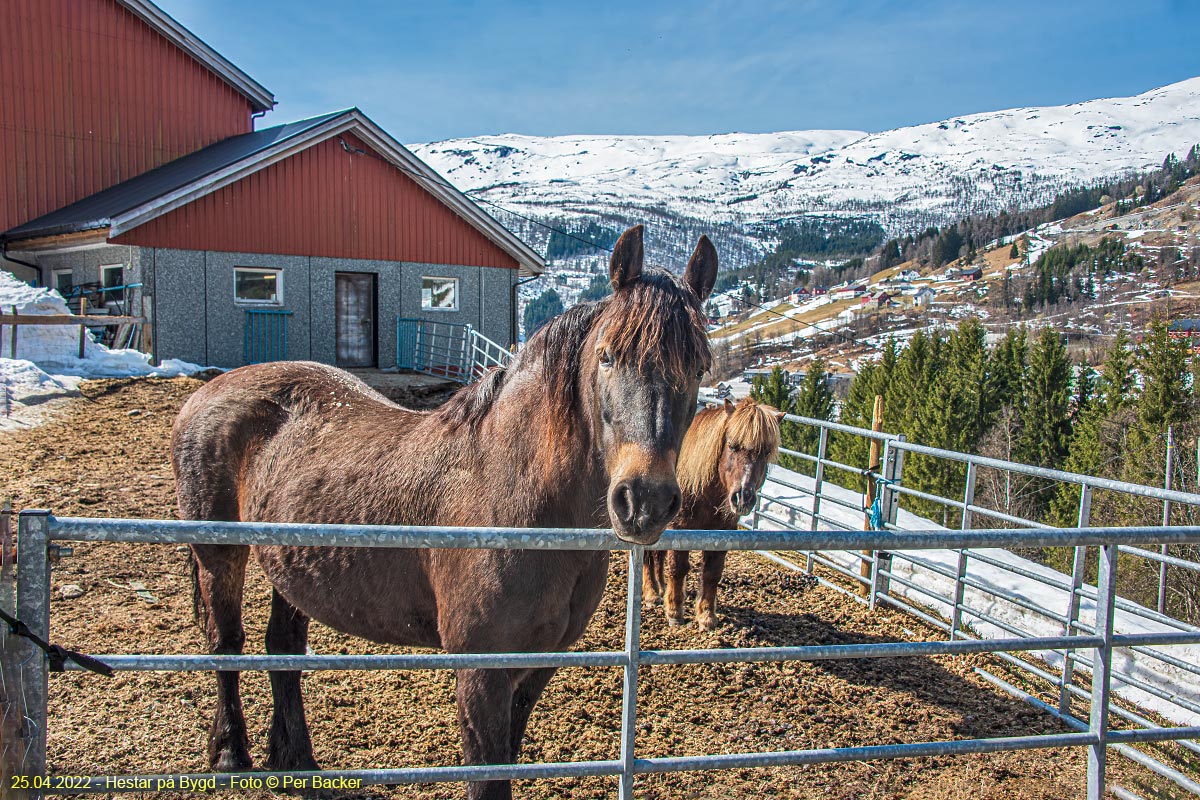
(354,304)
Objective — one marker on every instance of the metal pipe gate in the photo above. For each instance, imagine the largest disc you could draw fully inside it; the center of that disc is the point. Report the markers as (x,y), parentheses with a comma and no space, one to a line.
(906,581)
(39,531)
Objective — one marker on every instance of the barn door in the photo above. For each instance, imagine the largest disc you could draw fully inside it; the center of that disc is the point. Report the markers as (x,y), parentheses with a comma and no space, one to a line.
(354,302)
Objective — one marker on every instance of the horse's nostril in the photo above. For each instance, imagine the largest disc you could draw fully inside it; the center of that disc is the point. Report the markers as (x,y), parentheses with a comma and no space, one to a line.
(623,504)
(673,507)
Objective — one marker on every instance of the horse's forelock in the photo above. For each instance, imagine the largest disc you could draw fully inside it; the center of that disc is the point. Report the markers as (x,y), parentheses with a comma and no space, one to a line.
(657,325)
(754,427)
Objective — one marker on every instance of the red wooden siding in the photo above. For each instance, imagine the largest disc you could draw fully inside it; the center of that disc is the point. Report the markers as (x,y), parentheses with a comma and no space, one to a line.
(90,96)
(325,201)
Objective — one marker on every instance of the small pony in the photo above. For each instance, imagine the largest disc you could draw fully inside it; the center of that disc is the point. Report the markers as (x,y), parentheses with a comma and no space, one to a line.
(722,466)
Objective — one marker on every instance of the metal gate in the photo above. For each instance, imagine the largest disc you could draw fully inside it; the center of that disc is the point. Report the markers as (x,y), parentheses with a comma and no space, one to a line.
(266,335)
(446,349)
(39,531)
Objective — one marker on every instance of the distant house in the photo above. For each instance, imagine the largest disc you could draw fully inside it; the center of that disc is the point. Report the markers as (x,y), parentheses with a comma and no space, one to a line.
(924,297)
(801,293)
(818,291)
(1187,330)
(908,275)
(970,273)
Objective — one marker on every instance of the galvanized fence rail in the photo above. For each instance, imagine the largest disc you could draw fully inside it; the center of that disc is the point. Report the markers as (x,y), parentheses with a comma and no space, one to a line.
(905,580)
(39,531)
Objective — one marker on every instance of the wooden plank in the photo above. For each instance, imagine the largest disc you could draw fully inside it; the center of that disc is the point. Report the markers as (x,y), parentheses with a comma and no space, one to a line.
(67,319)
(13,339)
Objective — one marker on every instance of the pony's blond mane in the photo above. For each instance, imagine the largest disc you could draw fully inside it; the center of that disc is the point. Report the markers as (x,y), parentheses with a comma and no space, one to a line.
(752,426)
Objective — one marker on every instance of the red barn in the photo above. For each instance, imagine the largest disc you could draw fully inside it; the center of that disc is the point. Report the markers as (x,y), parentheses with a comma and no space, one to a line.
(132,174)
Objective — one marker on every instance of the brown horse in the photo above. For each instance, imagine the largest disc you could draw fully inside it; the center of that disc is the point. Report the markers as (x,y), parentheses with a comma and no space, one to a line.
(583,430)
(721,469)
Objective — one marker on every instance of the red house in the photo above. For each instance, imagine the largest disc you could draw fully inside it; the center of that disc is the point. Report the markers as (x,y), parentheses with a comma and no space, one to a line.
(131,172)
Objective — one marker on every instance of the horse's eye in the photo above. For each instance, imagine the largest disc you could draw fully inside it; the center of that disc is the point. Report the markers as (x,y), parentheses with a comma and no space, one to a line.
(606,359)
(733,448)
(700,375)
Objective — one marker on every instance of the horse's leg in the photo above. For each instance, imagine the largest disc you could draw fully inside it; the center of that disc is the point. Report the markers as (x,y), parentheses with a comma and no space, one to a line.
(678,560)
(485,701)
(524,699)
(710,576)
(290,747)
(218,574)
(652,578)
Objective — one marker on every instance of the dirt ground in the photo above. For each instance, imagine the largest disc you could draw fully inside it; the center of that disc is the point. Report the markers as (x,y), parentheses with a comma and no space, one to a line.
(106,454)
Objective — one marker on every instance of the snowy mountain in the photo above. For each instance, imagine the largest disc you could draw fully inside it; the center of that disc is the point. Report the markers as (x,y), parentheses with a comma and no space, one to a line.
(905,179)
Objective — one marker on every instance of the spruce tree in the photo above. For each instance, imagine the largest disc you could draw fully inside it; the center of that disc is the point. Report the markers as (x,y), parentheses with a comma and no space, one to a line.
(1166,391)
(1014,251)
(814,400)
(1046,426)
(1115,385)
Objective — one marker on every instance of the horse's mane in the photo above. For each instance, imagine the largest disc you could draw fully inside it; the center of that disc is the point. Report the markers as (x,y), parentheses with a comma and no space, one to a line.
(654,324)
(752,426)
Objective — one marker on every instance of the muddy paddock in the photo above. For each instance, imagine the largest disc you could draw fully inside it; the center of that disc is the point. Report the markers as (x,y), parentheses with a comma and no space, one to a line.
(106,454)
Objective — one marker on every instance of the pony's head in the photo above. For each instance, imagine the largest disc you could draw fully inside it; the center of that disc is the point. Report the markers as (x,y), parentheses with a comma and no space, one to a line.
(631,365)
(731,445)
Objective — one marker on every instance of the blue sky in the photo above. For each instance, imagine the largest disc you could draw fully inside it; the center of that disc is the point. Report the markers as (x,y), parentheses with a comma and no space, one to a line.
(441,69)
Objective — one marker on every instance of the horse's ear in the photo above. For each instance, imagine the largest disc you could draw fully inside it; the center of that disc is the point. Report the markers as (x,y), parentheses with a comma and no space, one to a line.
(779,414)
(701,272)
(729,406)
(625,266)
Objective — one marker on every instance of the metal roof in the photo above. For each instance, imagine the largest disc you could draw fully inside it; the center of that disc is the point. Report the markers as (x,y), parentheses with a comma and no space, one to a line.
(155,17)
(129,204)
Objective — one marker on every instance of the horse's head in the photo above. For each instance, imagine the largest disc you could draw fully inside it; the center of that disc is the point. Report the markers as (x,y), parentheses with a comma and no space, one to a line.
(751,441)
(646,352)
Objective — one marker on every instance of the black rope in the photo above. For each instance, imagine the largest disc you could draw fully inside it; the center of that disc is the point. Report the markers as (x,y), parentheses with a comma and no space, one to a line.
(56,654)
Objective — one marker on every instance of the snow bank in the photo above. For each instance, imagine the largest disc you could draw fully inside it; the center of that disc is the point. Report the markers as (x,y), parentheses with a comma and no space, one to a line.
(47,362)
(1171,680)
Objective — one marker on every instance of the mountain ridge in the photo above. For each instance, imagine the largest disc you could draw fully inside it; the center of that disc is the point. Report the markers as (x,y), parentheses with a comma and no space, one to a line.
(906,178)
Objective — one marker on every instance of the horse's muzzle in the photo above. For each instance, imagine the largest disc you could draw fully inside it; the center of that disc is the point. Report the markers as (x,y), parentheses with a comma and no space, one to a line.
(742,501)
(641,508)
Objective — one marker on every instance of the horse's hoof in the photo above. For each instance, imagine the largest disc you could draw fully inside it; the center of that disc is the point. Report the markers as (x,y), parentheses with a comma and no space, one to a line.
(652,602)
(706,623)
(674,622)
(231,761)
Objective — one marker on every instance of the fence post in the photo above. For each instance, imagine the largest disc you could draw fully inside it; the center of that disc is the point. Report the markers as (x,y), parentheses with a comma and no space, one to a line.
(818,484)
(633,646)
(28,676)
(864,569)
(889,503)
(1166,520)
(960,588)
(1077,572)
(1106,592)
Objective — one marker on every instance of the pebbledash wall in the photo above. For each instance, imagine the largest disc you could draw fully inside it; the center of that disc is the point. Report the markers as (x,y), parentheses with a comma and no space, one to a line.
(196,318)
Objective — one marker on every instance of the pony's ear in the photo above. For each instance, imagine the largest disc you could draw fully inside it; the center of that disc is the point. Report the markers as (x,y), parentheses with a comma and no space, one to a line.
(729,406)
(625,266)
(779,414)
(701,272)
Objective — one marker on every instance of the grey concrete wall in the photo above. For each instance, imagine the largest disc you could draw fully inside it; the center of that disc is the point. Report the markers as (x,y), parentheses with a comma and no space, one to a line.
(227,318)
(180,298)
(22,272)
(199,320)
(85,265)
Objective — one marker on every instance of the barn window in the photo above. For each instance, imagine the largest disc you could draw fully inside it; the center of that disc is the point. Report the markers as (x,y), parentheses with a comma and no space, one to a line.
(258,286)
(110,276)
(439,294)
(64,281)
